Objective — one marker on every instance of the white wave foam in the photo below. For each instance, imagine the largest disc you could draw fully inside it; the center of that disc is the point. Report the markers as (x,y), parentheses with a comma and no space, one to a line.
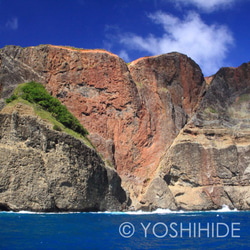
(27,212)
(224,208)
(140,212)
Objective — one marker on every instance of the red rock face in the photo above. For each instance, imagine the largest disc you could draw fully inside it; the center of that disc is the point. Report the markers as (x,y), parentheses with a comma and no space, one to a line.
(97,88)
(132,115)
(170,88)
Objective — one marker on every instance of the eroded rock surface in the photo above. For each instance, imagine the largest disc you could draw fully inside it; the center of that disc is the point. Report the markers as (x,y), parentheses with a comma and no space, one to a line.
(133,114)
(176,140)
(208,163)
(45,170)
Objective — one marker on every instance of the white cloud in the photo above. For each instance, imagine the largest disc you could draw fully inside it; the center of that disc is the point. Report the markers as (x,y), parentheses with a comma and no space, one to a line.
(124,55)
(207,45)
(12,24)
(207,5)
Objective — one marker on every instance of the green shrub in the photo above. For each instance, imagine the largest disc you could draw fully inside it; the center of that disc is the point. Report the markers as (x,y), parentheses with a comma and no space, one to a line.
(12,98)
(57,128)
(36,93)
(212,110)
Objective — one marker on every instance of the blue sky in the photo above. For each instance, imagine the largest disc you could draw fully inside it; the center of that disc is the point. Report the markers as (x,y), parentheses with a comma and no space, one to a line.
(215,33)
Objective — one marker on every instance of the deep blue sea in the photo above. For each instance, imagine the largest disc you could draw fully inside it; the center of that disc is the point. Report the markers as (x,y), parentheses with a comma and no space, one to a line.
(159,230)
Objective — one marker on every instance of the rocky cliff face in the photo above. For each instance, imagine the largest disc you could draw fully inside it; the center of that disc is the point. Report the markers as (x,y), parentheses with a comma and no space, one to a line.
(133,115)
(209,159)
(169,135)
(45,170)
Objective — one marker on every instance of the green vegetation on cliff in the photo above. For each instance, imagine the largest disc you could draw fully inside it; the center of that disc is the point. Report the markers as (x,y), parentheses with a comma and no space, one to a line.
(36,93)
(48,108)
(11,98)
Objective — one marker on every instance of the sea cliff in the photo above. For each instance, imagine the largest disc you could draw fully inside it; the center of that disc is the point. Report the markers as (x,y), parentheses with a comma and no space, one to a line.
(176,140)
(46,170)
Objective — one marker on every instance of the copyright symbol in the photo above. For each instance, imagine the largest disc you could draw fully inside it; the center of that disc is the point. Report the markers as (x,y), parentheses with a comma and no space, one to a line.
(126,229)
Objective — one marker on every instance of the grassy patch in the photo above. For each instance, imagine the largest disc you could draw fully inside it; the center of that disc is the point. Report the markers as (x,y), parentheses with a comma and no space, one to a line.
(57,128)
(49,109)
(36,93)
(211,110)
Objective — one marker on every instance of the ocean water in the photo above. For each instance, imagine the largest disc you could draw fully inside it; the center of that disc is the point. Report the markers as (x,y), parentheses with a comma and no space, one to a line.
(162,229)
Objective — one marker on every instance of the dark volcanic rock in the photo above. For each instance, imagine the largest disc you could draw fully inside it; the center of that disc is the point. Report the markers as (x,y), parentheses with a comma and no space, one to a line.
(45,170)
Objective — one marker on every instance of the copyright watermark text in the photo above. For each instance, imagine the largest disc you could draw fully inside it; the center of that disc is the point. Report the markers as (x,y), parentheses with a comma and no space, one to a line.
(181,230)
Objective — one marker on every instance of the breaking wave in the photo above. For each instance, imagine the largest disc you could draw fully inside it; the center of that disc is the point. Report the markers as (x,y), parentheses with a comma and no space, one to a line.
(224,208)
